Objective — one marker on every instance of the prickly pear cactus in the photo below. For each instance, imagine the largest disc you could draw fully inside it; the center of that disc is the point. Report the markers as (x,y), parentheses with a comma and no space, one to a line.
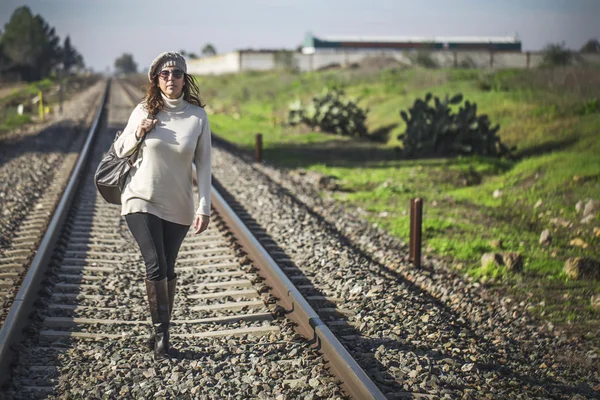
(330,112)
(434,129)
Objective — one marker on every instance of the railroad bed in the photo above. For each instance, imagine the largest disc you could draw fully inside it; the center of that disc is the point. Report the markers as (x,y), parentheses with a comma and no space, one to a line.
(87,330)
(417,333)
(35,164)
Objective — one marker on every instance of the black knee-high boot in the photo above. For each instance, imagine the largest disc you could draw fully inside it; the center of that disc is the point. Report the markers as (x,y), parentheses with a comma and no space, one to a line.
(172,285)
(158,300)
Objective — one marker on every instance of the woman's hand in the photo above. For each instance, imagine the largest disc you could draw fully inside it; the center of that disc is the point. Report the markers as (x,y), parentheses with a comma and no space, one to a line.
(201,223)
(144,127)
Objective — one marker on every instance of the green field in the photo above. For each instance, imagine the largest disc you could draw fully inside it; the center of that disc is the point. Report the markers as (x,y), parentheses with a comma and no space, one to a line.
(549,114)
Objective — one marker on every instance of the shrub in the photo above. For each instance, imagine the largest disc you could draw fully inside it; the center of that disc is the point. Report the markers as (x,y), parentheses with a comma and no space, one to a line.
(557,55)
(14,121)
(467,62)
(437,130)
(590,106)
(499,81)
(491,83)
(424,59)
(330,112)
(285,60)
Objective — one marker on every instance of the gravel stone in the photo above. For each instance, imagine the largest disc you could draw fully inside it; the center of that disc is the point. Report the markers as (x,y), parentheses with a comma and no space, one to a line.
(246,366)
(427,330)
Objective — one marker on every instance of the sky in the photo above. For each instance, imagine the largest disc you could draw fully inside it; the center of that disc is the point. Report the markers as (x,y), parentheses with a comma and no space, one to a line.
(102,30)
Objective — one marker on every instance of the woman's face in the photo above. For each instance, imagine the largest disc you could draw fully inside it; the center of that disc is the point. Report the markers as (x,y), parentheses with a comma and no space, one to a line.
(170,81)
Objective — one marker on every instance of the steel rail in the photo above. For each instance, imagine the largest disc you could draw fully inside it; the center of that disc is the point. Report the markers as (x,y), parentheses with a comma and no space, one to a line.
(18,315)
(354,379)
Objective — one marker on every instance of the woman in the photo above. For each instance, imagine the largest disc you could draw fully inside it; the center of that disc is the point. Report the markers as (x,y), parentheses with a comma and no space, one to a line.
(157,200)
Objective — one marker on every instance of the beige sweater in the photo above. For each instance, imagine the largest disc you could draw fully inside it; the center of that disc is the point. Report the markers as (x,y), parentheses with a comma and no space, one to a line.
(161,181)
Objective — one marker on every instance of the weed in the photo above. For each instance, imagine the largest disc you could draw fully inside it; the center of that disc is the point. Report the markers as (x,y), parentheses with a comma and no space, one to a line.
(590,106)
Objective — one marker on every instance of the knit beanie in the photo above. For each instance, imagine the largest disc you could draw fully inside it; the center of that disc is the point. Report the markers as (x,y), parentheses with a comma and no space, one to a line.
(167,59)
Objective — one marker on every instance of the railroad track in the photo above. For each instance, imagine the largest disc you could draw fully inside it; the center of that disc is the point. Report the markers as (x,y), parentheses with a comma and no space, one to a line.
(26,221)
(83,303)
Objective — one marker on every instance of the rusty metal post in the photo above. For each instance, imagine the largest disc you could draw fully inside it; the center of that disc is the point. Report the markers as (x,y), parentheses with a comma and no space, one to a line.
(258,148)
(416,222)
(411,236)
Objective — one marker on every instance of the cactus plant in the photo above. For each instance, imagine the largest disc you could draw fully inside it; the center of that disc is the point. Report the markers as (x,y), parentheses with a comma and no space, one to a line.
(436,130)
(330,112)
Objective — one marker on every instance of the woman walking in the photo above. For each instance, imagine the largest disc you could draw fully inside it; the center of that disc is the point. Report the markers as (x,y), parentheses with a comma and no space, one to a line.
(157,200)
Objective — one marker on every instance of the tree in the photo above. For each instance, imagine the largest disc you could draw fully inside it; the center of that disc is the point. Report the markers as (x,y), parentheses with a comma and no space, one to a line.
(592,46)
(30,45)
(70,56)
(125,64)
(192,56)
(4,61)
(79,62)
(555,54)
(26,44)
(209,50)
(52,51)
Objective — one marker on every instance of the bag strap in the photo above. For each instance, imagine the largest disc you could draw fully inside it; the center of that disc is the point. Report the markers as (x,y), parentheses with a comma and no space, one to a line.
(133,156)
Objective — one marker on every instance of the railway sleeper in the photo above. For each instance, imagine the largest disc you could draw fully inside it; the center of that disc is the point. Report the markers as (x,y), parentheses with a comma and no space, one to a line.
(68,322)
(254,329)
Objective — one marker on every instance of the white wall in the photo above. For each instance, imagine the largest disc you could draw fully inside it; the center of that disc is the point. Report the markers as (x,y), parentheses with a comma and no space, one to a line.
(250,61)
(257,61)
(219,64)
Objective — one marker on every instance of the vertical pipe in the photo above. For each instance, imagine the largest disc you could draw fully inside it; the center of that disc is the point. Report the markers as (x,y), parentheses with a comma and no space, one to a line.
(258,147)
(60,90)
(528,59)
(411,240)
(41,106)
(418,230)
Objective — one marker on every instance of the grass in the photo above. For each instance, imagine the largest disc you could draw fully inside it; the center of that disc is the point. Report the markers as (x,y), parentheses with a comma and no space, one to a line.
(14,121)
(9,119)
(551,115)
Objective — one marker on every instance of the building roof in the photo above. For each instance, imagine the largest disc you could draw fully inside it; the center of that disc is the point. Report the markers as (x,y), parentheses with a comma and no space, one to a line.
(311,42)
(424,39)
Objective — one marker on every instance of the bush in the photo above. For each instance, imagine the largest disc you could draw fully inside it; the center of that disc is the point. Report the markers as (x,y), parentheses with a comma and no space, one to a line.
(436,130)
(590,106)
(557,55)
(330,112)
(499,81)
(14,121)
(491,83)
(285,60)
(424,59)
(467,62)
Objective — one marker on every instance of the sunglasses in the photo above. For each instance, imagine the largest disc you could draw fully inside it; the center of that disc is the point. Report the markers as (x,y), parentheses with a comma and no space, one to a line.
(177,74)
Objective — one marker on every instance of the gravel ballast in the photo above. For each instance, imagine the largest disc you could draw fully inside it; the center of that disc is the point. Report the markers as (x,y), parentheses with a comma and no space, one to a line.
(426,331)
(33,159)
(276,365)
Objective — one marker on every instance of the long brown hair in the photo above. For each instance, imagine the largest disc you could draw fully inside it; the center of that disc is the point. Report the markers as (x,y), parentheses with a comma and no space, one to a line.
(154,102)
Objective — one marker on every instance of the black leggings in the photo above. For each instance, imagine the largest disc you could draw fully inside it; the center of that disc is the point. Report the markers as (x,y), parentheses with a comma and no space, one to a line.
(159,242)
